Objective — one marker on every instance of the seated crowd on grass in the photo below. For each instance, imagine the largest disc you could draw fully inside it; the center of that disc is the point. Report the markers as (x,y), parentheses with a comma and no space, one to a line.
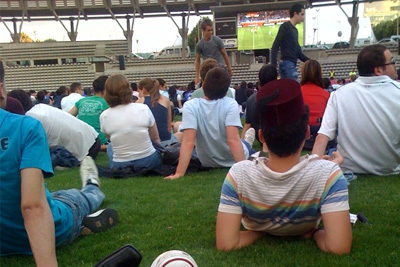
(274,192)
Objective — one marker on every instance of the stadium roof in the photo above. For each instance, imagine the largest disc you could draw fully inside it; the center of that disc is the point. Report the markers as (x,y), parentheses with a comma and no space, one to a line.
(88,9)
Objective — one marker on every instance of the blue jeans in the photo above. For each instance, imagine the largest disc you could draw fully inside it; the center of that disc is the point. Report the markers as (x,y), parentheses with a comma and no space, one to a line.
(153,161)
(250,150)
(82,203)
(287,69)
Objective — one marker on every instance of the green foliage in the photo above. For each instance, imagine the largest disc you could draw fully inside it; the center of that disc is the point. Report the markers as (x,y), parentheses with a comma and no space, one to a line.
(195,35)
(385,29)
(50,40)
(158,215)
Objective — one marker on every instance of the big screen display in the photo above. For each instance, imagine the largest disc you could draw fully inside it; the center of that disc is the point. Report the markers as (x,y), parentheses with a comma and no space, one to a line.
(257,30)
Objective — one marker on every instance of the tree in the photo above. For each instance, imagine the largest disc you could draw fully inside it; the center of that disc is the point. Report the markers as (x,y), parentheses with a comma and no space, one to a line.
(50,40)
(195,35)
(25,38)
(385,29)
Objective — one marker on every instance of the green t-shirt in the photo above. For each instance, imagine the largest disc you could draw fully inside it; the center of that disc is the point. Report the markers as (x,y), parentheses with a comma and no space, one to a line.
(89,110)
(199,93)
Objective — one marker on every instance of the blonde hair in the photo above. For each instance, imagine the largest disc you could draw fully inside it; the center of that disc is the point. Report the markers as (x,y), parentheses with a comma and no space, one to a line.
(151,86)
(117,90)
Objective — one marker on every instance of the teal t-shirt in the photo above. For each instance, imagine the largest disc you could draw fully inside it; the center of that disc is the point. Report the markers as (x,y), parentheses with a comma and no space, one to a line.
(89,110)
(23,144)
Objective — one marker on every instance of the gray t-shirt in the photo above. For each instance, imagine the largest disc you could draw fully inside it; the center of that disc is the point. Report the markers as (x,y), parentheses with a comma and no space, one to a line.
(211,49)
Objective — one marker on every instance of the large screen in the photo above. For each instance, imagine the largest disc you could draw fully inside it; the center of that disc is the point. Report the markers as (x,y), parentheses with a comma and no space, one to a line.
(257,30)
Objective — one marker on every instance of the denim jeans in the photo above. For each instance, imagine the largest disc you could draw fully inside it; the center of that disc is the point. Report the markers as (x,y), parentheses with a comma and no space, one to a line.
(287,69)
(153,161)
(248,150)
(82,203)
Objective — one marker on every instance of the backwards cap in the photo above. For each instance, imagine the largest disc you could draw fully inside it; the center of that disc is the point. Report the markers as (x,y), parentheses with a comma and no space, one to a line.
(280,103)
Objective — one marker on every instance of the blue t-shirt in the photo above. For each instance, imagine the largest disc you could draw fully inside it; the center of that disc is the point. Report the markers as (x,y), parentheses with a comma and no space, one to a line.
(23,144)
(210,118)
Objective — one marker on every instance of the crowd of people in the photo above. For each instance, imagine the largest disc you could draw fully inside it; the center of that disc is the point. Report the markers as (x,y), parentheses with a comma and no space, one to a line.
(276,191)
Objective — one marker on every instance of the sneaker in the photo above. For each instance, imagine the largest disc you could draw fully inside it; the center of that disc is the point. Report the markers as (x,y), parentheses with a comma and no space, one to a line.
(249,136)
(88,172)
(99,221)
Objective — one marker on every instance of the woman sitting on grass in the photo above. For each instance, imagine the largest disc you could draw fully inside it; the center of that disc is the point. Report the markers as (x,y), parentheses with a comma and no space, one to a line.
(314,95)
(161,109)
(130,127)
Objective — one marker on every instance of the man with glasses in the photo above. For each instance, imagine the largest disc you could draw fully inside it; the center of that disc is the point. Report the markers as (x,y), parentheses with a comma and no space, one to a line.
(365,115)
(69,101)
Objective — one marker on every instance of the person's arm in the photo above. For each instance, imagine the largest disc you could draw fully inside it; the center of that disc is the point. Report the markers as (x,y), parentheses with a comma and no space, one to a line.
(73,111)
(197,66)
(336,237)
(169,116)
(226,58)
(234,143)
(244,130)
(276,45)
(153,132)
(185,154)
(38,220)
(320,145)
(228,234)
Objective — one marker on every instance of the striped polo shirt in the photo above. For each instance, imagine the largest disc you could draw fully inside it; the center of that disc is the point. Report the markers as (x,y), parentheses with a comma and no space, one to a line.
(284,204)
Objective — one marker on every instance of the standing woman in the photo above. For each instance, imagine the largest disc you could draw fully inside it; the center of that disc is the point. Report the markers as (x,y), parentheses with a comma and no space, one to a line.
(160,107)
(130,127)
(314,95)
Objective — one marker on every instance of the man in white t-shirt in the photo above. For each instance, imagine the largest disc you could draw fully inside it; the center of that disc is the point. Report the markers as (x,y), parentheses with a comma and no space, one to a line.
(365,114)
(69,101)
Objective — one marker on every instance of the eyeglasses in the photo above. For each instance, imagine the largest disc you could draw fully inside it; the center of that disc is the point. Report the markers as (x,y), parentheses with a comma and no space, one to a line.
(392,62)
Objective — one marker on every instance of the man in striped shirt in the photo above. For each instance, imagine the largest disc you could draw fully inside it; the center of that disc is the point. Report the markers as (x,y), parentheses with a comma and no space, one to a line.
(285,194)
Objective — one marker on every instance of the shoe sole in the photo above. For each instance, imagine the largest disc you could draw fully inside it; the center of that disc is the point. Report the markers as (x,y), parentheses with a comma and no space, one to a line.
(99,221)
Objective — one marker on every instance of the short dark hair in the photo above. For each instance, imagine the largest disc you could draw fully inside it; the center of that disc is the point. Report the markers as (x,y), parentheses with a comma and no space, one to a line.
(296,8)
(267,73)
(161,81)
(23,97)
(62,90)
(206,22)
(369,58)
(98,84)
(134,86)
(286,140)
(74,86)
(216,83)
(40,96)
(1,71)
(327,82)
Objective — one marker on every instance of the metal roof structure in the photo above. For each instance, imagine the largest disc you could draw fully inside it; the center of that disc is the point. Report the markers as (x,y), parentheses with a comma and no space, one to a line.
(76,10)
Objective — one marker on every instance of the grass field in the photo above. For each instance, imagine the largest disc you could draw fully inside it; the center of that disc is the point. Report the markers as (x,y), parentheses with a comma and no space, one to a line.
(158,215)
(250,38)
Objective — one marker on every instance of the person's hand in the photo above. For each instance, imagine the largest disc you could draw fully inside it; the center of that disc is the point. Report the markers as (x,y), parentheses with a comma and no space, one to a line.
(230,72)
(173,177)
(336,157)
(197,80)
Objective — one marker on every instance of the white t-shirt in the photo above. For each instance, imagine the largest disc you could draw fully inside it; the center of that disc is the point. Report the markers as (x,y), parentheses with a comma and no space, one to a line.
(366,114)
(63,129)
(128,128)
(69,101)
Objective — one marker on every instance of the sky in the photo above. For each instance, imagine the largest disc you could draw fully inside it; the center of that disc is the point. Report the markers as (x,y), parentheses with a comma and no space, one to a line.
(153,34)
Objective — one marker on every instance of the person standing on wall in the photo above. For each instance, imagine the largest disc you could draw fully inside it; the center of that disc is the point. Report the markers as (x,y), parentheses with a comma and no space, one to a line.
(287,41)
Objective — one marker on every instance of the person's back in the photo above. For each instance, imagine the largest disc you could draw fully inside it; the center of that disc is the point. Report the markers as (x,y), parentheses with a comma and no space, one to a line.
(160,114)
(69,101)
(210,117)
(372,125)
(365,114)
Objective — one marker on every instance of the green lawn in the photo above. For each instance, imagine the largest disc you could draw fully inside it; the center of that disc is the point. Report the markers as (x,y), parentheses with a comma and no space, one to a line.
(158,215)
(250,38)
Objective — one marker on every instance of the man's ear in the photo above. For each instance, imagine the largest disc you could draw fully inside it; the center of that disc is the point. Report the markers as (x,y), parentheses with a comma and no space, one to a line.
(262,140)
(1,89)
(308,132)
(378,71)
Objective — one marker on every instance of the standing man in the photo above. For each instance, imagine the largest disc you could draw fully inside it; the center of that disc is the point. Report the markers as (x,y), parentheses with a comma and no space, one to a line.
(287,41)
(210,46)
(365,116)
